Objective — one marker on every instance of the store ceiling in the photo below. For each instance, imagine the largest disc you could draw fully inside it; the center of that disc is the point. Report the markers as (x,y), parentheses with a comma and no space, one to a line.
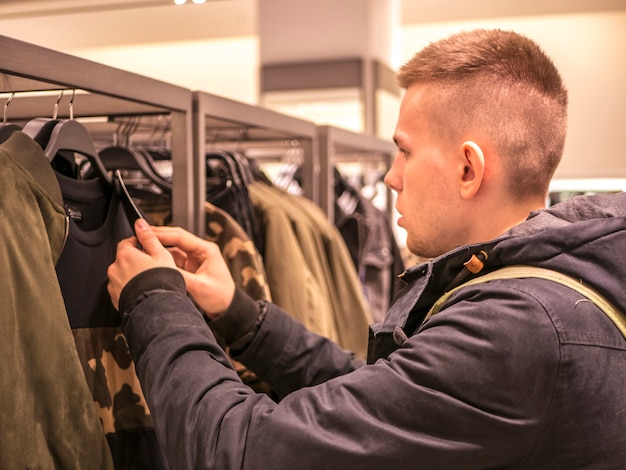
(93,23)
(413,11)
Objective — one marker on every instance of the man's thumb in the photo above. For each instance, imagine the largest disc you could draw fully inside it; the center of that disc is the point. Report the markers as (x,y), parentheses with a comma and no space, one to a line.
(147,238)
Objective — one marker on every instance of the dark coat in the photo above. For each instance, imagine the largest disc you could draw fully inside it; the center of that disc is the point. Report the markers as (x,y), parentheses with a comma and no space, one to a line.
(510,374)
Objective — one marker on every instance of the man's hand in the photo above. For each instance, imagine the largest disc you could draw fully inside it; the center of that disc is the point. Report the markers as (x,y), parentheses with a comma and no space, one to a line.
(207,277)
(130,260)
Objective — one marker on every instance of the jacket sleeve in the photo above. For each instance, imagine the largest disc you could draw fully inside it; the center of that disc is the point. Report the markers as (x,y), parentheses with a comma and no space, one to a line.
(309,358)
(465,392)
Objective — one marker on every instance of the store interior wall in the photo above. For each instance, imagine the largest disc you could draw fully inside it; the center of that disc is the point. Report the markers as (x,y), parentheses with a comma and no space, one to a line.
(590,51)
(589,48)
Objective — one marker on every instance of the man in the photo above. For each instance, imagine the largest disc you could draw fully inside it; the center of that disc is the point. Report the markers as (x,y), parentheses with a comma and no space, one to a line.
(511,373)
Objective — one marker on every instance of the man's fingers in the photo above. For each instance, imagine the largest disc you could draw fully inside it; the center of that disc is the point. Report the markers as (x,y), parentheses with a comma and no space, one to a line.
(127,242)
(147,239)
(180,257)
(178,237)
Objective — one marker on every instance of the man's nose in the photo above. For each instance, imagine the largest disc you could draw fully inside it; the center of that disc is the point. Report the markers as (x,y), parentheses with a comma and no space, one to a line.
(393,177)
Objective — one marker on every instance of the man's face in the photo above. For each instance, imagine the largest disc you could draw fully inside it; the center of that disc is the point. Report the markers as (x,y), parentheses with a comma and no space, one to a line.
(423,176)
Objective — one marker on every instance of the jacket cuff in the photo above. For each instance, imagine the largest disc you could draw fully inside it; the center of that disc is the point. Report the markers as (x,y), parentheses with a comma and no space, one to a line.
(238,324)
(139,287)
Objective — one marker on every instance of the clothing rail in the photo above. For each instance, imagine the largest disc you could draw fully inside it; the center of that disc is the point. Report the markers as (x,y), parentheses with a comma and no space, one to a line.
(222,121)
(99,90)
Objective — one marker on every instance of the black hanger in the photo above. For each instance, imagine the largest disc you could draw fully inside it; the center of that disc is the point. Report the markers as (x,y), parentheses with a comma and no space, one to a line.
(221,171)
(152,157)
(132,158)
(6,130)
(160,160)
(69,137)
(40,130)
(257,172)
(132,211)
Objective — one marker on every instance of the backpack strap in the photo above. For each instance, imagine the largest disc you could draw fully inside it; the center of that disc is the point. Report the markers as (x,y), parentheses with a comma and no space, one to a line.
(522,271)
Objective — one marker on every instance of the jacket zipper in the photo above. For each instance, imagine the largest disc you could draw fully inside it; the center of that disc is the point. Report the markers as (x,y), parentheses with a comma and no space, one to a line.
(66,234)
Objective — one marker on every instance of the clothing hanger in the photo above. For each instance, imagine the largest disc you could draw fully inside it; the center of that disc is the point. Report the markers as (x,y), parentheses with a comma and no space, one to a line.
(131,210)
(69,137)
(287,176)
(62,139)
(129,158)
(243,165)
(346,195)
(257,172)
(122,156)
(160,161)
(158,151)
(221,169)
(40,129)
(7,128)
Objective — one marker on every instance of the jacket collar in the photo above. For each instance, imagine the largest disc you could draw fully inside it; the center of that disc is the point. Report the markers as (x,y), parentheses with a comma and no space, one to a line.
(537,241)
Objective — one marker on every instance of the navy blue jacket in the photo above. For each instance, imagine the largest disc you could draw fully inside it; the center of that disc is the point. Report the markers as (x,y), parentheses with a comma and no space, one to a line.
(520,373)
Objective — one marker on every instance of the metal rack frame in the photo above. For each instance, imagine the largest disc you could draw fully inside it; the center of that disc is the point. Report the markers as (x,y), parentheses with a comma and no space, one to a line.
(110,92)
(223,121)
(196,119)
(337,145)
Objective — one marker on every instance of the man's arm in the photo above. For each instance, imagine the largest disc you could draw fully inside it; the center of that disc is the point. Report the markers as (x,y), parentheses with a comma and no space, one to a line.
(233,315)
(278,348)
(433,403)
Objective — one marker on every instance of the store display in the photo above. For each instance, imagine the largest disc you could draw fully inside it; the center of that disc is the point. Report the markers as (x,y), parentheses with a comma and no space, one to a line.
(235,142)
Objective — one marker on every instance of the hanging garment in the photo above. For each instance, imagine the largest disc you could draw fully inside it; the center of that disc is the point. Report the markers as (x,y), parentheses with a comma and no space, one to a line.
(228,177)
(246,267)
(243,259)
(309,269)
(47,415)
(293,285)
(97,224)
(351,311)
(375,254)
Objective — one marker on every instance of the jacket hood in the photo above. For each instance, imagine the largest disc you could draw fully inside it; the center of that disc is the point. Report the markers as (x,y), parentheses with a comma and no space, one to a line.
(584,237)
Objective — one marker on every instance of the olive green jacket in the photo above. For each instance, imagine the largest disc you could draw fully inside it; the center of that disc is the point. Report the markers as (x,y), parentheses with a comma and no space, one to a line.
(47,415)
(309,269)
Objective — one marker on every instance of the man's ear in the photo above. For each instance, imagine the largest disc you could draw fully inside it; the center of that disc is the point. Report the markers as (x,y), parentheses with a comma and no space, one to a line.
(474,169)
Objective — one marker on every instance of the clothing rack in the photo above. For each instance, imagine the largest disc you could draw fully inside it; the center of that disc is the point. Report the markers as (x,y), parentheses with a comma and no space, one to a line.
(224,122)
(39,83)
(98,90)
(336,145)
(196,119)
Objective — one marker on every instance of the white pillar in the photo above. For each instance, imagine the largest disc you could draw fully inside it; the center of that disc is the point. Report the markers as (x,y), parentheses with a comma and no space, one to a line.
(329,45)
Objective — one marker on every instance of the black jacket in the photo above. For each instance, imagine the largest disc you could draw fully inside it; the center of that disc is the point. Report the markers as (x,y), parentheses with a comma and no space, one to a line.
(510,374)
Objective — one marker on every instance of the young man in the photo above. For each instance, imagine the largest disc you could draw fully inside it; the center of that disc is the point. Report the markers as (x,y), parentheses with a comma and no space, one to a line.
(511,373)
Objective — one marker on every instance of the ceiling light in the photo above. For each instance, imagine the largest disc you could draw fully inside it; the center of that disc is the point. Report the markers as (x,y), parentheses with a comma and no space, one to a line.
(199,2)
(180,2)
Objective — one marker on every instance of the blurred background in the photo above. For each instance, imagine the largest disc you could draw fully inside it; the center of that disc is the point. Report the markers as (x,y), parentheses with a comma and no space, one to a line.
(224,46)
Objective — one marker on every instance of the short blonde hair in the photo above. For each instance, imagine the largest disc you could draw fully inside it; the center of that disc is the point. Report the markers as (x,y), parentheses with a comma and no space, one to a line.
(502,84)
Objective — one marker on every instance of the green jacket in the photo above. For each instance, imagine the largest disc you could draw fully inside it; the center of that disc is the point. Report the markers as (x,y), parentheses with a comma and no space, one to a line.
(302,248)
(47,415)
